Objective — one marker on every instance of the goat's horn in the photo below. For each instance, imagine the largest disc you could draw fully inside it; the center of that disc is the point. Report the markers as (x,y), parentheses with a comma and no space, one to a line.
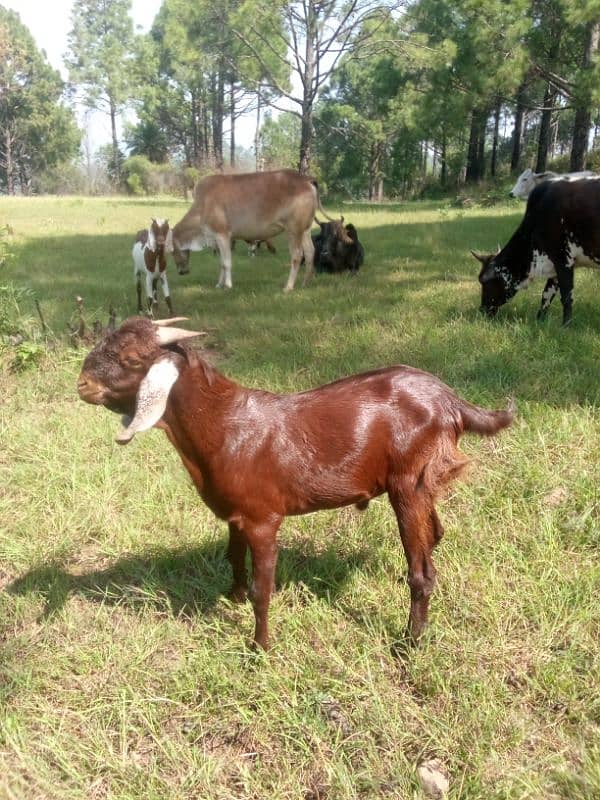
(162,323)
(172,335)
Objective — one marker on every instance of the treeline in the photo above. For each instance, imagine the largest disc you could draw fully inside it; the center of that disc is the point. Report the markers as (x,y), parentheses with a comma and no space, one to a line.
(379,98)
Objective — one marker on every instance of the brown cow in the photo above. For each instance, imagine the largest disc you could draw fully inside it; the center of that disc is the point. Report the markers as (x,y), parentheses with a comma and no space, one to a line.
(251,206)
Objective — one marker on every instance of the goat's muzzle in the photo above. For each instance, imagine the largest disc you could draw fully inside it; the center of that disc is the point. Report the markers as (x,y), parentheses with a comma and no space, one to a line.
(90,390)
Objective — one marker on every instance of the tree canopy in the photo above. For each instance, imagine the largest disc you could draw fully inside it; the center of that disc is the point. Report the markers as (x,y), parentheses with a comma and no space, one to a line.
(381,97)
(37,129)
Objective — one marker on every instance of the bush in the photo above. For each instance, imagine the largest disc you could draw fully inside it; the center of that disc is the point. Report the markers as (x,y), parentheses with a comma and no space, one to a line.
(62,179)
(5,241)
(137,174)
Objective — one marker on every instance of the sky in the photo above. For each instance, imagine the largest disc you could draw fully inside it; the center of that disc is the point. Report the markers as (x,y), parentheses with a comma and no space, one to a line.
(49,22)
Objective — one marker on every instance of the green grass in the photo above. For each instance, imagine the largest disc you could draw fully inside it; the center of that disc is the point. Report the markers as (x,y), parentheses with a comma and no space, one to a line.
(125,673)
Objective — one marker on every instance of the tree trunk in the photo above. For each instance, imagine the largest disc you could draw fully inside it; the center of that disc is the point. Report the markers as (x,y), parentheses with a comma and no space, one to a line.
(115,142)
(583,115)
(517,135)
(195,121)
(8,160)
(232,123)
(444,171)
(476,150)
(494,162)
(257,154)
(218,87)
(545,129)
(307,130)
(306,139)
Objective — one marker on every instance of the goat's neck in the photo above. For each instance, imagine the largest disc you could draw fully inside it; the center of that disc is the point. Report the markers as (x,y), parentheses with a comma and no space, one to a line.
(199,405)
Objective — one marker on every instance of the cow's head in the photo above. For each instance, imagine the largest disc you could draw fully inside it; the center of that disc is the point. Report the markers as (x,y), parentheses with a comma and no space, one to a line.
(525,183)
(334,235)
(181,256)
(497,285)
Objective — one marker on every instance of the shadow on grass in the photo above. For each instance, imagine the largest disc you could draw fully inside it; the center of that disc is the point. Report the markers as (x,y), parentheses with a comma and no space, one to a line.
(186,581)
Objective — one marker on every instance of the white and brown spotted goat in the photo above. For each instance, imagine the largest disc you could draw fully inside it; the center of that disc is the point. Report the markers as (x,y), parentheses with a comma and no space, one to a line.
(150,262)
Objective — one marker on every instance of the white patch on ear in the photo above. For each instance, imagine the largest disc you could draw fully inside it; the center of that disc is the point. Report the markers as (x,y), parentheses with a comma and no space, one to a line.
(151,244)
(169,241)
(151,398)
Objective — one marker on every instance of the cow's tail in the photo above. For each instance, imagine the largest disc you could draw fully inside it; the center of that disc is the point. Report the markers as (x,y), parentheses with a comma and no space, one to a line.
(485,422)
(319,206)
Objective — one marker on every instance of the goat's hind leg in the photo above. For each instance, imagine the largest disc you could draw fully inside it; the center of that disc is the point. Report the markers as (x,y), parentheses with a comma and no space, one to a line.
(236,555)
(420,530)
(138,286)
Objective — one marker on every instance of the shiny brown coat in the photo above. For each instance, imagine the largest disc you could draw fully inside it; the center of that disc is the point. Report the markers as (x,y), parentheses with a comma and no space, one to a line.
(257,457)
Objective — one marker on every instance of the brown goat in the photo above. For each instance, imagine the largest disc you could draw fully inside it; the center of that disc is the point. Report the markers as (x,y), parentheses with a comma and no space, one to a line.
(257,457)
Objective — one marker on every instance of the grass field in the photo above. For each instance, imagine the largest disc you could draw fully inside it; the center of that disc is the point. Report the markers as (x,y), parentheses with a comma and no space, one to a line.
(125,673)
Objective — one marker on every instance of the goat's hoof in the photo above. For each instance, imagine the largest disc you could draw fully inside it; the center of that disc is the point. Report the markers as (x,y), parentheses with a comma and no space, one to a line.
(238,595)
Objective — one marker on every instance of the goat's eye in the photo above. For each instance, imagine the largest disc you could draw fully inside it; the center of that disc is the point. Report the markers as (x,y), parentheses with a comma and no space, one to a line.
(132,362)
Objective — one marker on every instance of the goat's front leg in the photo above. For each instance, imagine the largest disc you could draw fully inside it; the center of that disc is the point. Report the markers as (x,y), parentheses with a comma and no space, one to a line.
(420,530)
(139,292)
(150,287)
(166,292)
(236,554)
(262,540)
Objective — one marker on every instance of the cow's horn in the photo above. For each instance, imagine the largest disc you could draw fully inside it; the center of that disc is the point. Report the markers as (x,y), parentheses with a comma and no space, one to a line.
(162,323)
(478,256)
(172,335)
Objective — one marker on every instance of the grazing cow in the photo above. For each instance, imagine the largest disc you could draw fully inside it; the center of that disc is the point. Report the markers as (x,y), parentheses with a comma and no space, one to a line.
(252,206)
(559,231)
(337,248)
(528,180)
(150,262)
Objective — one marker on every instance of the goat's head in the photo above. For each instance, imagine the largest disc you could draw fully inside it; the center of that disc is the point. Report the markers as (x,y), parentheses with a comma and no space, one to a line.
(132,370)
(160,236)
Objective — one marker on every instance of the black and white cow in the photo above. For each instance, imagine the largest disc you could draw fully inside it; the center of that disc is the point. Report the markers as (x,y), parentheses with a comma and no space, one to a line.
(528,180)
(560,230)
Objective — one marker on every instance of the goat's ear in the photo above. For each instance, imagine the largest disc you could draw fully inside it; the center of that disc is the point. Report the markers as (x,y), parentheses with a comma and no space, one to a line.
(151,399)
(151,240)
(169,241)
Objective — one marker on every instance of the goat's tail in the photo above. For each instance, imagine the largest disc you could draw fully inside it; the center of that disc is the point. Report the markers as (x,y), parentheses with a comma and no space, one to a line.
(319,206)
(485,422)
